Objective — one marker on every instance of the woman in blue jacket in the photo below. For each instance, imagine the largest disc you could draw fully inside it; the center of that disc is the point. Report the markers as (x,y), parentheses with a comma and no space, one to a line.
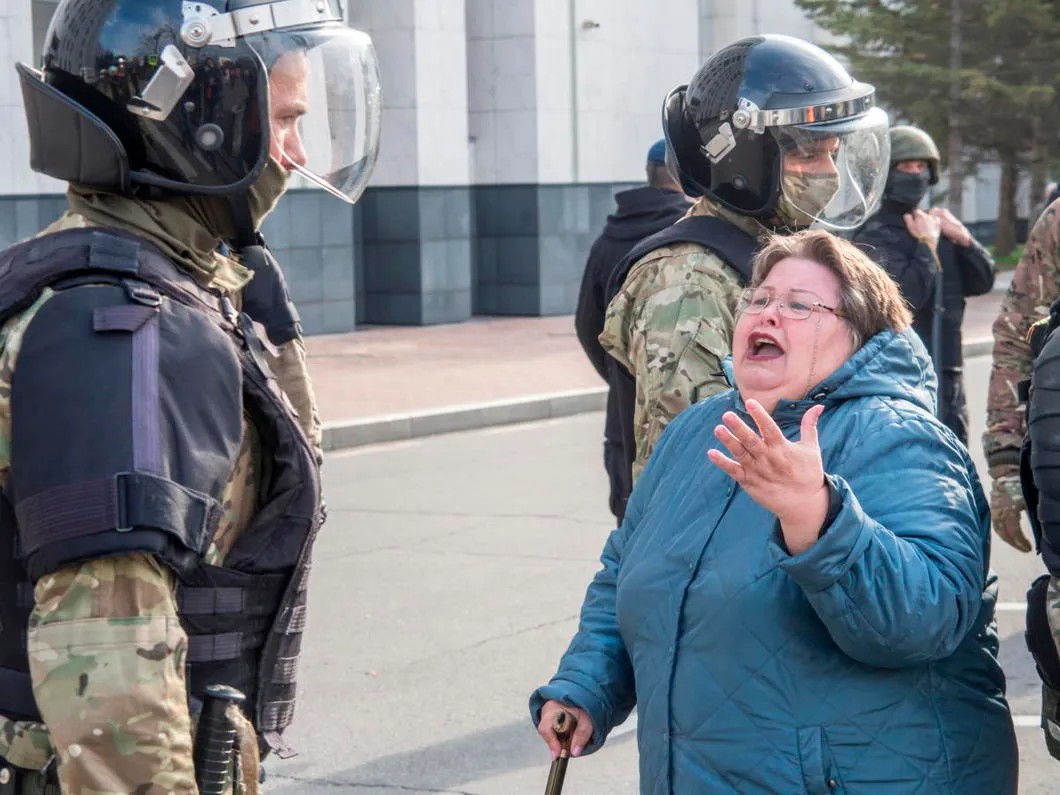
(799,600)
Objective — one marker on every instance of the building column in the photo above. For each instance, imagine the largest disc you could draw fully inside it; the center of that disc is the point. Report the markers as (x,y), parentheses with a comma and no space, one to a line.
(416,216)
(564,102)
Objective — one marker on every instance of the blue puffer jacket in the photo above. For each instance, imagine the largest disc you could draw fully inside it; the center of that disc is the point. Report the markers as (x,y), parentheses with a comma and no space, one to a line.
(867,664)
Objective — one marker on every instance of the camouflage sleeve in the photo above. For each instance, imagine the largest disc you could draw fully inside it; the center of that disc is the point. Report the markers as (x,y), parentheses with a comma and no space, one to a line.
(675,312)
(1035,285)
(106,658)
(107,655)
(292,373)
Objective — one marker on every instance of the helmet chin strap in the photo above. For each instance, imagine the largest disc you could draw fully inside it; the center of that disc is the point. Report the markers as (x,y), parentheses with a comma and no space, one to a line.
(266,298)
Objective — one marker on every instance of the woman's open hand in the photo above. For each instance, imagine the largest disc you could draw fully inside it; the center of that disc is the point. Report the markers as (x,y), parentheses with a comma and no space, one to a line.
(786,478)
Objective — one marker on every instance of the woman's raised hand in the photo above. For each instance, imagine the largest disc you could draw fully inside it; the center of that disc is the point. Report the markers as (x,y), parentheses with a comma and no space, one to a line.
(786,478)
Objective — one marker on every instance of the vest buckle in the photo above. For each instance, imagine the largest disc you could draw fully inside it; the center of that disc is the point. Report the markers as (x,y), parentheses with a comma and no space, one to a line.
(142,293)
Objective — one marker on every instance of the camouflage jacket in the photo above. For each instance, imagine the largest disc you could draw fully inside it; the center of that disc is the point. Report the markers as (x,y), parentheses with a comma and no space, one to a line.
(131,731)
(671,325)
(1035,285)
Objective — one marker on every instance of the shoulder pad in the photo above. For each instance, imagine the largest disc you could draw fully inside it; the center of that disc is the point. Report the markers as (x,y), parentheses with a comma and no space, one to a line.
(126,420)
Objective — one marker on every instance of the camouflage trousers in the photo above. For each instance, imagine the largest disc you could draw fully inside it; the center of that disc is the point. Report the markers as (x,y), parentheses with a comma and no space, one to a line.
(27,762)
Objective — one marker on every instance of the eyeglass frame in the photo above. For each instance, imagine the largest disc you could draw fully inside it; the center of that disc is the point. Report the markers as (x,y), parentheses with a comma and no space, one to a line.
(783,307)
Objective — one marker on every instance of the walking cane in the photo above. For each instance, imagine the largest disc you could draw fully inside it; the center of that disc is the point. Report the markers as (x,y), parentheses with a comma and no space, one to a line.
(564,727)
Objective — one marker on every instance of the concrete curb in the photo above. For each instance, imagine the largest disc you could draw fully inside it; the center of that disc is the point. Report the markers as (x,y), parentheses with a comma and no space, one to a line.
(397,427)
(344,434)
(980,347)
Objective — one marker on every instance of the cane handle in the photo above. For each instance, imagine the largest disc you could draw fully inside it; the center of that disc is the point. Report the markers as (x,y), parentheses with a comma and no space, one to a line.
(563,727)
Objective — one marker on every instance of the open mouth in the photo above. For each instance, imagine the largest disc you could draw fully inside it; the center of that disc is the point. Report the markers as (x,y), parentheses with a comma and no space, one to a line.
(763,347)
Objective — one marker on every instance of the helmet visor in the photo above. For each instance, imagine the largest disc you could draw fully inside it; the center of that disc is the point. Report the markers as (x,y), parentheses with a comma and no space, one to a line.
(834,173)
(324,105)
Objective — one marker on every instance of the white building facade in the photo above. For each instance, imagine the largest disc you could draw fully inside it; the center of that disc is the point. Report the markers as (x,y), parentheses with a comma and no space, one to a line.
(507,127)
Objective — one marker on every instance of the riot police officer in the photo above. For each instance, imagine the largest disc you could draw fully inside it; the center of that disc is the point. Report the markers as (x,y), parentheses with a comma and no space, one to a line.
(158,456)
(772,135)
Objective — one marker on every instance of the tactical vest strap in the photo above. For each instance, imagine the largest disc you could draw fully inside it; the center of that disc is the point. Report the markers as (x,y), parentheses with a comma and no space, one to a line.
(210,648)
(734,246)
(129,499)
(278,713)
(211,601)
(25,269)
(285,671)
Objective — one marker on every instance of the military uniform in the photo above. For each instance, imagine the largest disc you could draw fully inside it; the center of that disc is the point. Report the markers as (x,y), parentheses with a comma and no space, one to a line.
(1021,332)
(160,449)
(671,324)
(114,622)
(1035,285)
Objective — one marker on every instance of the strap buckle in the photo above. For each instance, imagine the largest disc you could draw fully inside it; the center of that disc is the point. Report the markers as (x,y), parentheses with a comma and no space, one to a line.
(142,293)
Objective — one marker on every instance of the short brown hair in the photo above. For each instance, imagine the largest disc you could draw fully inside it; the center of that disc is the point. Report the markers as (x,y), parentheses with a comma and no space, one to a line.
(868,298)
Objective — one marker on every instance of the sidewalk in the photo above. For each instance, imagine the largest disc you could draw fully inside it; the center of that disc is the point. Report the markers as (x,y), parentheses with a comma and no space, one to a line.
(387,383)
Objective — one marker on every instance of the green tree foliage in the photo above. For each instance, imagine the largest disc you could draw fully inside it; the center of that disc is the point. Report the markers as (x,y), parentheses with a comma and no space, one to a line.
(1005,98)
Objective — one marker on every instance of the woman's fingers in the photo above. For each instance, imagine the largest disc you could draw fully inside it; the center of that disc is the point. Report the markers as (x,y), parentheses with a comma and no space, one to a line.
(726,465)
(770,431)
(545,726)
(808,431)
(732,444)
(580,737)
(583,734)
(750,440)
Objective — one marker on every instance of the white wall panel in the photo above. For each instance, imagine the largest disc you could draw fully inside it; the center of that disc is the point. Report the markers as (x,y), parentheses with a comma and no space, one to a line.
(16,44)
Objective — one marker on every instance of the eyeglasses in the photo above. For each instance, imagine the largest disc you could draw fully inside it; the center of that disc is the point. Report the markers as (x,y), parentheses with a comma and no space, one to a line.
(794,304)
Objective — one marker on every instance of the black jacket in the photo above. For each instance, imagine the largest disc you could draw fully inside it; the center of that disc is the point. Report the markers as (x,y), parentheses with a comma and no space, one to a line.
(966,271)
(641,212)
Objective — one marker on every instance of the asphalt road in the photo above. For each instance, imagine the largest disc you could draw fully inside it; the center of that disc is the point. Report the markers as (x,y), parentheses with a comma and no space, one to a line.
(447,584)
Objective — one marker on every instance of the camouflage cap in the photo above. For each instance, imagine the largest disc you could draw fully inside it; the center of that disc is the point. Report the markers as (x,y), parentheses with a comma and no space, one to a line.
(912,143)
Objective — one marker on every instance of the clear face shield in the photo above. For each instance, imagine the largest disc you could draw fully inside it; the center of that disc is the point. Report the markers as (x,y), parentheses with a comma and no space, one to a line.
(324,105)
(833,173)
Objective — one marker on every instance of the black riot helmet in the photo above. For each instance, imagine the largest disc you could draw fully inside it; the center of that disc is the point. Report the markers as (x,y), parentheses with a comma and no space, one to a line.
(157,97)
(774,127)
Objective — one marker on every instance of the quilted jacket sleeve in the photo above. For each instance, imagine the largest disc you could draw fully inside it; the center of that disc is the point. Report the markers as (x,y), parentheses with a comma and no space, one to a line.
(595,673)
(898,576)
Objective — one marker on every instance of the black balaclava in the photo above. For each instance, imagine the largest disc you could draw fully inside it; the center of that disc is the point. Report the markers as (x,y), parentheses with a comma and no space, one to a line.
(906,190)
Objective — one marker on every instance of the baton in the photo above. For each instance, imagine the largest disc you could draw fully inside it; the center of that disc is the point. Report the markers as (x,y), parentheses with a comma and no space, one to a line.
(564,727)
(215,740)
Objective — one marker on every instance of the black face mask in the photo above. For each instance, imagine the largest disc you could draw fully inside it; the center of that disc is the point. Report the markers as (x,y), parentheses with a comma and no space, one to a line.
(905,188)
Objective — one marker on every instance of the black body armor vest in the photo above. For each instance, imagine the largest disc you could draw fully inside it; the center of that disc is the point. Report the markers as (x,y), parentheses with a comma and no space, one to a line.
(1040,477)
(1040,457)
(110,457)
